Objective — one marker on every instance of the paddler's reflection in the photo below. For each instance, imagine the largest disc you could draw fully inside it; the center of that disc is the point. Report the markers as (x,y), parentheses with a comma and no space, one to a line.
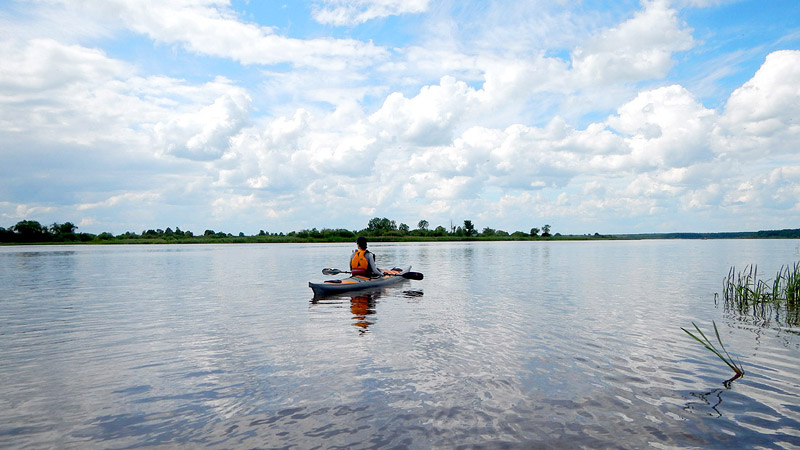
(362,306)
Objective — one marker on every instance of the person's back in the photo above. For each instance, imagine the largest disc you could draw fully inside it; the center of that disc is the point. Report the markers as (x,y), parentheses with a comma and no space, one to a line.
(362,261)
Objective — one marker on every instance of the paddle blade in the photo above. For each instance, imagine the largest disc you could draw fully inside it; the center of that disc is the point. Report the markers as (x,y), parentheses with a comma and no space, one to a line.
(329,271)
(413,275)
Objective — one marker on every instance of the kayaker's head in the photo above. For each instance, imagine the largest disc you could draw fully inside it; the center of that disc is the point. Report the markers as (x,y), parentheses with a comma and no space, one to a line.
(362,242)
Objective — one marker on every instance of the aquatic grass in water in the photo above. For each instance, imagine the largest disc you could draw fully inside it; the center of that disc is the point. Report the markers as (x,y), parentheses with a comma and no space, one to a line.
(726,358)
(777,299)
(748,296)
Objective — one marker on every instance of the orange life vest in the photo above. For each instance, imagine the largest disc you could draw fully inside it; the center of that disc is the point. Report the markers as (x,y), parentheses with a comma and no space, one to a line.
(359,264)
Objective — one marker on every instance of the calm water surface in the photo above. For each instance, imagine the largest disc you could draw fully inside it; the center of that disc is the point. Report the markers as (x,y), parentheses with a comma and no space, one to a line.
(527,344)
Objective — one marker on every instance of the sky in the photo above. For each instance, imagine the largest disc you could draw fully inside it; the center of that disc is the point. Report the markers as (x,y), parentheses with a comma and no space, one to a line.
(241,116)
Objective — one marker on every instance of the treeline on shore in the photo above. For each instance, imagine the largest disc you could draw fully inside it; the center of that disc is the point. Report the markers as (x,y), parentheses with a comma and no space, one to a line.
(378,229)
(33,232)
(793,233)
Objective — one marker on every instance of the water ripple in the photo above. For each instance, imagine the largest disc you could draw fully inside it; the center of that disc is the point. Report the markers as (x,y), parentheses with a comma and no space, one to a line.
(217,346)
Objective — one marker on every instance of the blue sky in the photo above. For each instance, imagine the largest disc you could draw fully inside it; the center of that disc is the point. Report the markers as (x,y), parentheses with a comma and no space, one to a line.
(652,116)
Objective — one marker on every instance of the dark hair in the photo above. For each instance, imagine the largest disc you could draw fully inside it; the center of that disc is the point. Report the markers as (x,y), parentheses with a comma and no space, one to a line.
(362,242)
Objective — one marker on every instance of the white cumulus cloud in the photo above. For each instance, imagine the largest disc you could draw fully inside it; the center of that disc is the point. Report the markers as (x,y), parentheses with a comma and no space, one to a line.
(640,48)
(204,134)
(762,115)
(666,127)
(427,119)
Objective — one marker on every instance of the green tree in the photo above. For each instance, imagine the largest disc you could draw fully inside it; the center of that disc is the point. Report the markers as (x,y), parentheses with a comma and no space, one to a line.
(378,226)
(469,228)
(439,231)
(423,225)
(340,232)
(404,229)
(63,232)
(535,232)
(65,228)
(6,235)
(546,231)
(488,232)
(30,231)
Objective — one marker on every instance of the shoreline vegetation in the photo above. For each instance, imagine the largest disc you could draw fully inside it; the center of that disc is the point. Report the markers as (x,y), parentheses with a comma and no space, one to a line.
(378,230)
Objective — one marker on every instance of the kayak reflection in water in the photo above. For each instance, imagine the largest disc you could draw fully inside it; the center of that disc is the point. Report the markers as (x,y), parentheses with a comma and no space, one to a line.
(362,306)
(362,261)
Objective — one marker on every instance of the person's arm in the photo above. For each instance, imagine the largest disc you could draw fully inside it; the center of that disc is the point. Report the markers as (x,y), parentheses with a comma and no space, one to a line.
(372,266)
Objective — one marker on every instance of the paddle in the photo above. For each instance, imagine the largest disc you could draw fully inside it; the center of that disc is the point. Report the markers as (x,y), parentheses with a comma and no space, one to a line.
(407,275)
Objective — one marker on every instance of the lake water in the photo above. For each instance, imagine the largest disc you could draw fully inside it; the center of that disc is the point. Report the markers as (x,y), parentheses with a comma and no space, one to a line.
(513,344)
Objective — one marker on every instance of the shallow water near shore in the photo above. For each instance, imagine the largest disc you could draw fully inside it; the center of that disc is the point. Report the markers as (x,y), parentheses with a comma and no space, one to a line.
(503,344)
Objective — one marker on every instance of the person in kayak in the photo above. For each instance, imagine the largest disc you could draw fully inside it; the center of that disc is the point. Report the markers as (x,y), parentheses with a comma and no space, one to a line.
(362,261)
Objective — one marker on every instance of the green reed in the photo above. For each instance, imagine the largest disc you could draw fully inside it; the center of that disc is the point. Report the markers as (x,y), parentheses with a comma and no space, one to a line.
(726,358)
(745,293)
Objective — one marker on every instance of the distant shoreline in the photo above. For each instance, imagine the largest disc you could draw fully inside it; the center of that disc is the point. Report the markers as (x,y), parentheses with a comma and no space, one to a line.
(267,239)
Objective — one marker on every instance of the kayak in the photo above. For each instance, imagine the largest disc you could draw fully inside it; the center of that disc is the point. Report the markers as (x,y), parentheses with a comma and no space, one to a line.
(358,282)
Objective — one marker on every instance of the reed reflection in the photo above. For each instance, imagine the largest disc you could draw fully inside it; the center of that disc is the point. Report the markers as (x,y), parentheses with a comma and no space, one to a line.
(709,401)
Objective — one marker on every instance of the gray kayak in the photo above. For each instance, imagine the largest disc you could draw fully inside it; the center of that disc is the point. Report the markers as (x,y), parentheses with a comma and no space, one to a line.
(358,282)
